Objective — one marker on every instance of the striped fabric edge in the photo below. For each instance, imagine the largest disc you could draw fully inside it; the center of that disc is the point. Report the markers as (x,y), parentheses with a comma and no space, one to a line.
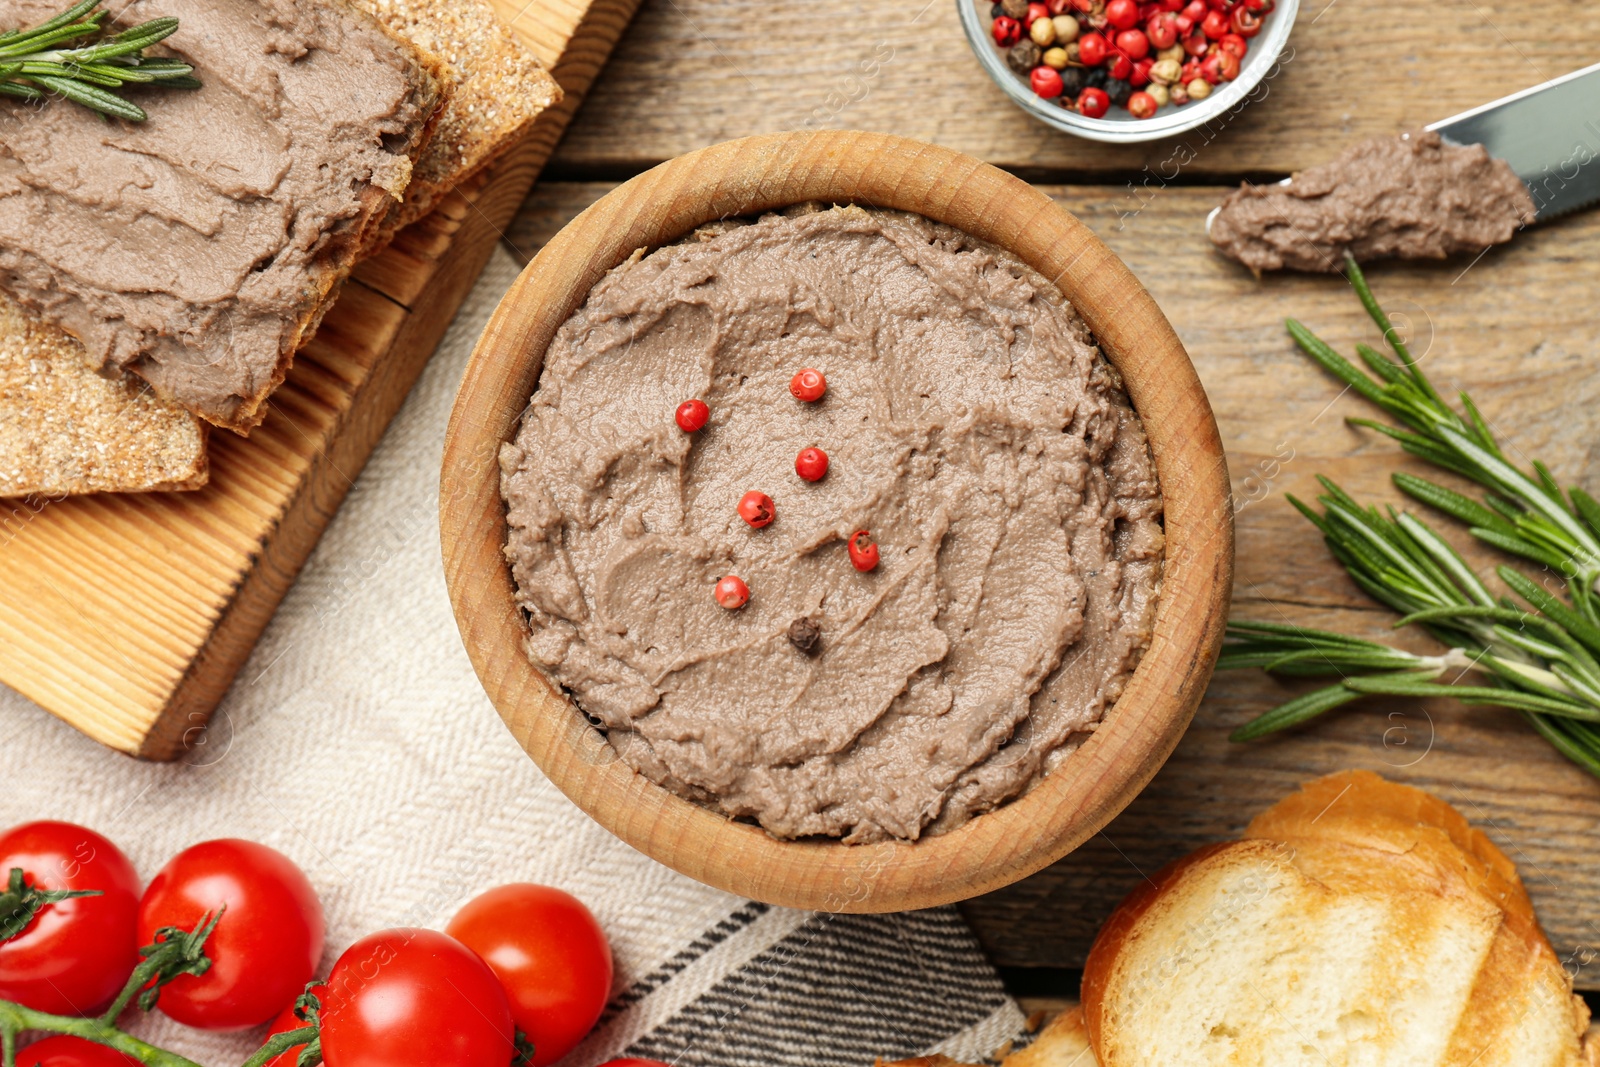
(841,991)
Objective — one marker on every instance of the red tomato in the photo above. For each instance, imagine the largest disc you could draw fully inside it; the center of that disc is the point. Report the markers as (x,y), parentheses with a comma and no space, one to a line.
(64,1051)
(287,1020)
(550,954)
(397,994)
(266,946)
(76,954)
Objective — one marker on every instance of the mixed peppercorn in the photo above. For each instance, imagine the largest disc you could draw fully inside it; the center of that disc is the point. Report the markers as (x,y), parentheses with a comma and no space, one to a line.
(1088,55)
(758,509)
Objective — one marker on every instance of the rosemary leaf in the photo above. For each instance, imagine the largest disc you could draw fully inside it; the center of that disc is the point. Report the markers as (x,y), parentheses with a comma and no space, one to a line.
(31,63)
(1299,710)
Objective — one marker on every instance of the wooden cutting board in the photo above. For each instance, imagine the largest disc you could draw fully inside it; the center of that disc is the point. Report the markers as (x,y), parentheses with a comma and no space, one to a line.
(128,615)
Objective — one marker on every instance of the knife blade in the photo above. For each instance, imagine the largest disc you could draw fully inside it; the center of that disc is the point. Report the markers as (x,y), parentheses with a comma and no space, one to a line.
(1550,134)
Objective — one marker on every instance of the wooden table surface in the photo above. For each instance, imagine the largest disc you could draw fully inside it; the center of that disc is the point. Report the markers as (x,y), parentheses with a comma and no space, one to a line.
(1517,328)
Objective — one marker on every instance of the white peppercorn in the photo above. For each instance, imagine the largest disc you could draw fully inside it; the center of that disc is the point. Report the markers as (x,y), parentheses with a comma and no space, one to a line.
(1199,89)
(1166,72)
(1055,57)
(1066,28)
(1043,32)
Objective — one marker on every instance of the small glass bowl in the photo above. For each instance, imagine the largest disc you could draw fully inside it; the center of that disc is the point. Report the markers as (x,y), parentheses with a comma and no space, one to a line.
(1118,126)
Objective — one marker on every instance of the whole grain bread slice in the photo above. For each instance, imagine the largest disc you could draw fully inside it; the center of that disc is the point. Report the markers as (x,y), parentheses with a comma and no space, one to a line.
(65,430)
(498,89)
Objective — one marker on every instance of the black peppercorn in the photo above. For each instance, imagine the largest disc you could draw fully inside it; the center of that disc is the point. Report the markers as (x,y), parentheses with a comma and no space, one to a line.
(1023,56)
(1096,78)
(1017,9)
(1073,80)
(1118,90)
(996,10)
(806,636)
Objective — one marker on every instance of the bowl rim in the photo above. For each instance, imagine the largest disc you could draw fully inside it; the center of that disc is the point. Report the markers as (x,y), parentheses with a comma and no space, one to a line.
(1262,58)
(758,174)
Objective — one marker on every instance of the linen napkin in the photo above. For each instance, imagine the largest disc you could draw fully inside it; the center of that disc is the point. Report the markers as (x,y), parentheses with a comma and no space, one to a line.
(358,741)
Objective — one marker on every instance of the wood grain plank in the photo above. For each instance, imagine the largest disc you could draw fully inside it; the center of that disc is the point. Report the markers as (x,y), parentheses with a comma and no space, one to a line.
(129,616)
(694,72)
(1530,361)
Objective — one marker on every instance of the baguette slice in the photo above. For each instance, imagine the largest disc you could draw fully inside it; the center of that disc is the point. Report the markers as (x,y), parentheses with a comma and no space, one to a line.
(1360,923)
(66,430)
(1064,1042)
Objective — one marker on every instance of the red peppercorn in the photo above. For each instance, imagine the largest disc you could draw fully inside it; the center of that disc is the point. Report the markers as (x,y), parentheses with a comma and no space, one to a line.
(1119,66)
(1007,31)
(732,593)
(1093,103)
(1035,13)
(1196,44)
(1058,7)
(1141,73)
(1190,71)
(1194,10)
(1142,105)
(1133,44)
(811,464)
(1092,49)
(692,415)
(808,385)
(1184,24)
(1046,82)
(1233,44)
(1246,23)
(1162,31)
(863,552)
(756,508)
(1085,6)
(1123,14)
(1214,25)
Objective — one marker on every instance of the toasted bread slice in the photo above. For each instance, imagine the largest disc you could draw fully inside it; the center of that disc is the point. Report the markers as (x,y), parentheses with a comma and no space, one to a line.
(498,89)
(1064,1042)
(66,430)
(1360,922)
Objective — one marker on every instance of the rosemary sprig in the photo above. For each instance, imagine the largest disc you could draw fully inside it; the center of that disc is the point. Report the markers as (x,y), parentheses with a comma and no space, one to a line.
(1540,659)
(32,64)
(1526,514)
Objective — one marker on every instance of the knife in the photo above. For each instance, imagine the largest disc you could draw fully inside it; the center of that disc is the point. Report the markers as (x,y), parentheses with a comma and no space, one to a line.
(1550,135)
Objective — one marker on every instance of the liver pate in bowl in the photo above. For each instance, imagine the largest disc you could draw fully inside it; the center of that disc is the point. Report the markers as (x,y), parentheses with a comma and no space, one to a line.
(1027,642)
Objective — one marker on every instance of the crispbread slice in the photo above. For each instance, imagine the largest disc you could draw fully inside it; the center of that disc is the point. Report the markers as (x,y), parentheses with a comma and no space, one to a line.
(66,430)
(498,89)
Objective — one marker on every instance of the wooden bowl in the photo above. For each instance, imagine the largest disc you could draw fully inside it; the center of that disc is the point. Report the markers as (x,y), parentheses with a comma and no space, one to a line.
(759,174)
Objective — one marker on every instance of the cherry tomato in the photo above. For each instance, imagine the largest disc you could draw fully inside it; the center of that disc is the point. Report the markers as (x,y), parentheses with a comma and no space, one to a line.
(266,946)
(76,954)
(286,1021)
(65,1051)
(551,956)
(403,997)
